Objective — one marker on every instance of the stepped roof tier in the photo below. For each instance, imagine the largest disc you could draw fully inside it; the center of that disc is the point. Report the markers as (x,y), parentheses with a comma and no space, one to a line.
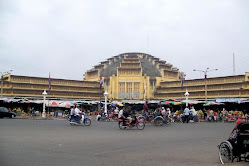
(149,65)
(132,75)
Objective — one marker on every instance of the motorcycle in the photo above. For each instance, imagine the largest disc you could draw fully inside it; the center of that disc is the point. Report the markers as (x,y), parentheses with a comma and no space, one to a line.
(104,117)
(114,116)
(139,123)
(210,118)
(230,118)
(84,120)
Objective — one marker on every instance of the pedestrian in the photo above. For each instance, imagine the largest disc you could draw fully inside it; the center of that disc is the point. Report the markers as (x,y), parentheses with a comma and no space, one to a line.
(205,114)
(186,114)
(72,113)
(215,116)
(146,109)
(224,114)
(194,114)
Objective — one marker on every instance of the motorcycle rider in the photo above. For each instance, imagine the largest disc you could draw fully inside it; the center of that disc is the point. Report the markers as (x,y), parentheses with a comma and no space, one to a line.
(132,116)
(78,113)
(116,112)
(120,115)
(104,115)
(127,114)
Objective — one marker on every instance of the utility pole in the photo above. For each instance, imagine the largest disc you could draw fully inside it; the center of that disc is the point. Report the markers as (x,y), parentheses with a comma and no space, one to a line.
(205,74)
(233,64)
(148,43)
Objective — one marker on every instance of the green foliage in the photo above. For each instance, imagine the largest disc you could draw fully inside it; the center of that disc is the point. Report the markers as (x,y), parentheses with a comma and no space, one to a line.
(200,113)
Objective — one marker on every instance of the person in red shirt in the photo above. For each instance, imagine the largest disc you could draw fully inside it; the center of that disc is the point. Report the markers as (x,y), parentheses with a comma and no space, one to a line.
(215,116)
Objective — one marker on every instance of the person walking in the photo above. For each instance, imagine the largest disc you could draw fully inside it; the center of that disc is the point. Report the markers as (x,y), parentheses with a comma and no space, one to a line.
(146,109)
(72,113)
(186,113)
(224,114)
(194,114)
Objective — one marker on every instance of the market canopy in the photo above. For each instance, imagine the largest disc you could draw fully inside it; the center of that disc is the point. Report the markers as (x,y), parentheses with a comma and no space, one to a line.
(212,103)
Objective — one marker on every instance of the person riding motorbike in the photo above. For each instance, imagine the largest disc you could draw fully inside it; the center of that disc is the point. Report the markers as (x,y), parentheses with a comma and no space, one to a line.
(120,114)
(132,116)
(127,115)
(77,113)
(115,112)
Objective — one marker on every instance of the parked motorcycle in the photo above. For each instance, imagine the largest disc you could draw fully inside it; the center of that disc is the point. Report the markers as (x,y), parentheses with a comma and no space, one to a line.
(210,119)
(139,123)
(104,117)
(84,120)
(230,118)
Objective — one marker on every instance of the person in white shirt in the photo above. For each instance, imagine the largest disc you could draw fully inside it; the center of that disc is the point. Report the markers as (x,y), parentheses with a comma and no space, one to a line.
(120,113)
(72,113)
(77,113)
(163,111)
(169,112)
(194,114)
(169,115)
(116,111)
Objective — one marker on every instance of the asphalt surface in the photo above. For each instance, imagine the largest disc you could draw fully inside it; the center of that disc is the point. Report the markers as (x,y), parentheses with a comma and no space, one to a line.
(25,142)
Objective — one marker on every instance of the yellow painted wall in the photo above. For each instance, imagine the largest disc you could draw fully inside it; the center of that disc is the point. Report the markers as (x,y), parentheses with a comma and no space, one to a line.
(138,92)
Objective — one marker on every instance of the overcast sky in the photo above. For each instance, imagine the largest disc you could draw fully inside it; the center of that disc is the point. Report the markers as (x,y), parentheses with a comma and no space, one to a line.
(68,37)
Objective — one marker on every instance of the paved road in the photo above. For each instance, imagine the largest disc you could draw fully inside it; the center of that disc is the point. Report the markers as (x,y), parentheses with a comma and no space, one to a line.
(26,142)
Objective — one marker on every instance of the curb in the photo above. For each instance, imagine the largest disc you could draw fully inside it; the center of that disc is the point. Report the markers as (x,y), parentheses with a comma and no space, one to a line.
(34,118)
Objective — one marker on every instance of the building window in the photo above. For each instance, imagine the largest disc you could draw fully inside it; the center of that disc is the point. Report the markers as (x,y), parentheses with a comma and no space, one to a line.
(122,87)
(136,89)
(129,89)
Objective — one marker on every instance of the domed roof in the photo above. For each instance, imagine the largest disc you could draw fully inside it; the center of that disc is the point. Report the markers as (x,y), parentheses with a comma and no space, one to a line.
(147,66)
(144,63)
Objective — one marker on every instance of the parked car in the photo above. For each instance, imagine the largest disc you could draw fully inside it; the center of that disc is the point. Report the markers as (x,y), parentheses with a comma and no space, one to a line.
(4,112)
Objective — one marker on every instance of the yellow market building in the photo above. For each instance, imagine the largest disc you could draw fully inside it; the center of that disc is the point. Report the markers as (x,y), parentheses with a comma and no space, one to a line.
(140,76)
(32,87)
(129,76)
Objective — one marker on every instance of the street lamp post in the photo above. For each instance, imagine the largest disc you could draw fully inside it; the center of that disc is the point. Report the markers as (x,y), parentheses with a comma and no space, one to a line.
(205,74)
(44,99)
(186,95)
(2,74)
(106,94)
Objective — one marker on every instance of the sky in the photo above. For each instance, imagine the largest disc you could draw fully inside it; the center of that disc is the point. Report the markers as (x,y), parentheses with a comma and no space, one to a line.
(68,37)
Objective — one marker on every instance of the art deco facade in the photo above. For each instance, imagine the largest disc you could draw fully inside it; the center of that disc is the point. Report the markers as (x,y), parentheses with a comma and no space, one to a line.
(132,75)
(135,76)
(142,76)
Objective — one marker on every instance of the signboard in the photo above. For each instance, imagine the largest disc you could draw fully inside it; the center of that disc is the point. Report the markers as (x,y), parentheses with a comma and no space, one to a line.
(222,100)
